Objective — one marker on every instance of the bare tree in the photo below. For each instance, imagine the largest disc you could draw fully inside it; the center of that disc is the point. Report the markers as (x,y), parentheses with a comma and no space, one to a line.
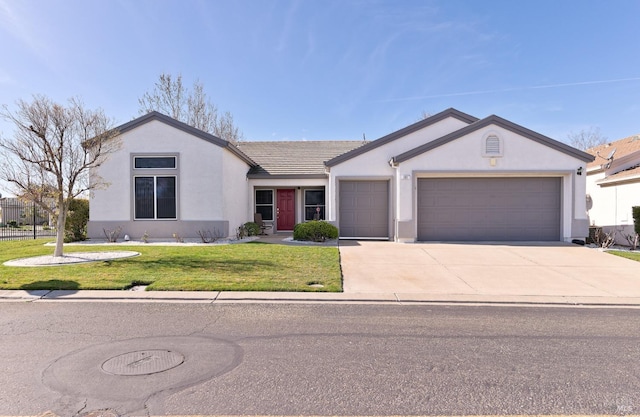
(586,138)
(424,115)
(52,151)
(192,107)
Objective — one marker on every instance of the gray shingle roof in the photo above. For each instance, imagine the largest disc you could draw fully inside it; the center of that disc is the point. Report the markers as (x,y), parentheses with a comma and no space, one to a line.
(293,158)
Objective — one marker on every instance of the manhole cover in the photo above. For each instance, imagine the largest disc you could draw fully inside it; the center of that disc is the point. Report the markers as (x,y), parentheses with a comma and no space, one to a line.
(144,362)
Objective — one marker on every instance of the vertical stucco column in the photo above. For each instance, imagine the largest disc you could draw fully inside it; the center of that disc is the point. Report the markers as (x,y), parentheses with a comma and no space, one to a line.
(404,199)
(580,220)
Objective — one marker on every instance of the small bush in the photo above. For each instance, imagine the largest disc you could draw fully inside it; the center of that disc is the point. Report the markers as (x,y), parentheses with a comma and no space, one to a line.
(252,228)
(315,230)
(75,229)
(113,235)
(13,224)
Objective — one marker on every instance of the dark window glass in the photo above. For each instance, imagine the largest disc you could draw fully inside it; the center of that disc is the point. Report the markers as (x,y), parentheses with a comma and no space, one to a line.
(155,162)
(264,204)
(312,213)
(266,211)
(166,196)
(314,204)
(312,197)
(264,196)
(144,198)
(155,198)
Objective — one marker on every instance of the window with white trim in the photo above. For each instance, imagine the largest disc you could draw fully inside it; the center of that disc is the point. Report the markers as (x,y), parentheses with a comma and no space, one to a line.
(314,204)
(264,204)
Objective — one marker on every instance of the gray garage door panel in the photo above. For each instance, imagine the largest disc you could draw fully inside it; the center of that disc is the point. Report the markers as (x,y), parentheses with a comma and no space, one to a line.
(364,209)
(476,209)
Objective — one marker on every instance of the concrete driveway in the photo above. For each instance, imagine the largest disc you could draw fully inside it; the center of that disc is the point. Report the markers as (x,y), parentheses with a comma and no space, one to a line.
(488,272)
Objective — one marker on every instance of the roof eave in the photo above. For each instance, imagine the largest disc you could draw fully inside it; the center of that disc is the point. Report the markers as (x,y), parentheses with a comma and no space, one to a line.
(617,181)
(287,176)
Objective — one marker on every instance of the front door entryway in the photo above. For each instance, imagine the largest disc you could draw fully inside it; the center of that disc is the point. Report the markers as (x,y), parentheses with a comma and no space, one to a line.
(286,209)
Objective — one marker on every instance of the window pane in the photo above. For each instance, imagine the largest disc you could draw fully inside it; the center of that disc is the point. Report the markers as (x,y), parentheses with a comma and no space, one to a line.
(311,213)
(264,197)
(166,195)
(314,197)
(144,198)
(155,162)
(266,211)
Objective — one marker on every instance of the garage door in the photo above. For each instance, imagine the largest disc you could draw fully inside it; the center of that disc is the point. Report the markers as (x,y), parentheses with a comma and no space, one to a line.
(489,209)
(364,209)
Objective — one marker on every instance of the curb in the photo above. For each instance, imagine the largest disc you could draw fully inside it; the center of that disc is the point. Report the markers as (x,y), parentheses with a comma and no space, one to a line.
(218,297)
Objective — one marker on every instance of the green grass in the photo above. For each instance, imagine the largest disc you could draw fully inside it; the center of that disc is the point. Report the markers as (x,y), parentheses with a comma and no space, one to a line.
(239,267)
(624,254)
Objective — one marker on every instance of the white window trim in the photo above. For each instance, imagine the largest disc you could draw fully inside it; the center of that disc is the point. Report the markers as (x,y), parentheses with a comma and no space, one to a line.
(272,205)
(305,205)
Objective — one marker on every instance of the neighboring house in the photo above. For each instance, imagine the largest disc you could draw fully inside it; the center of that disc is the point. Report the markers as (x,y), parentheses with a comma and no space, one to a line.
(450,177)
(613,185)
(22,212)
(11,210)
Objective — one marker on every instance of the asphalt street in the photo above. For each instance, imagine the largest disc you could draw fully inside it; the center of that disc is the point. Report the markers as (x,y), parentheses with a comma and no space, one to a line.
(316,359)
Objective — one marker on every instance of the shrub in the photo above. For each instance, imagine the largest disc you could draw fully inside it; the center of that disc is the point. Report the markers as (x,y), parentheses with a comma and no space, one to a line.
(13,224)
(75,228)
(252,228)
(315,230)
(635,210)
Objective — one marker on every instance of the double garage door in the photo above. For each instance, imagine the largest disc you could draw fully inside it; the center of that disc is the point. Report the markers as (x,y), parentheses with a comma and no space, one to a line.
(489,209)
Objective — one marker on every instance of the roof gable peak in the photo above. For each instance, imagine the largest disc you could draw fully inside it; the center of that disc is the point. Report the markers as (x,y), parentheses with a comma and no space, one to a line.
(497,121)
(421,124)
(201,134)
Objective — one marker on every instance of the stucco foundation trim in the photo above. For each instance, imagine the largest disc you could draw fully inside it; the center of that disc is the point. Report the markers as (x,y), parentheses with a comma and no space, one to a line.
(187,229)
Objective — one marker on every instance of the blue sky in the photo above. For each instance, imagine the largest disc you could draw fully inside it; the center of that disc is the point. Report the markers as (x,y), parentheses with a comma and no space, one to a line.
(316,70)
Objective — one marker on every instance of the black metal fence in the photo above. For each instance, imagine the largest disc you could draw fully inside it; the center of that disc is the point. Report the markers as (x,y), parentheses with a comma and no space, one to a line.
(24,220)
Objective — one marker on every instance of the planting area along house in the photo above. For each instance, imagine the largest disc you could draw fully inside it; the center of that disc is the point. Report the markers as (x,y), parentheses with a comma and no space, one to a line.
(449,177)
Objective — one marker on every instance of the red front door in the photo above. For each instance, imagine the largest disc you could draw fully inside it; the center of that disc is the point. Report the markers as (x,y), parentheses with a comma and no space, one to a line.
(286,209)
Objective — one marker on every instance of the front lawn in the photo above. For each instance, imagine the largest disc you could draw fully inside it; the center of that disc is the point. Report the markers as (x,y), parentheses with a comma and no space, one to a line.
(625,254)
(239,267)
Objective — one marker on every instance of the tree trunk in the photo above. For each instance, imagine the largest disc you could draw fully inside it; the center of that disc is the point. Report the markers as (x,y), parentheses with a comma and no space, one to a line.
(62,216)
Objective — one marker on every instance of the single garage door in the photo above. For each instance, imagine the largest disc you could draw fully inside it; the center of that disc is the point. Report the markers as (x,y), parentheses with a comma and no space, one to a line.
(489,209)
(364,209)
